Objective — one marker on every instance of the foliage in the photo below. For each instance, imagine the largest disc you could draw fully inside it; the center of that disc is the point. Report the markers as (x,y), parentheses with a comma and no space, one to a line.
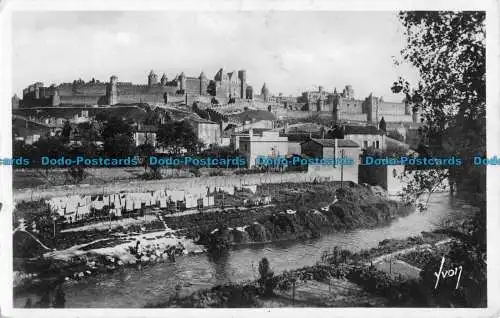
(396,135)
(337,132)
(266,280)
(218,244)
(117,136)
(382,125)
(448,50)
(76,174)
(66,132)
(178,135)
(145,151)
(399,291)
(469,251)
(153,117)
(153,174)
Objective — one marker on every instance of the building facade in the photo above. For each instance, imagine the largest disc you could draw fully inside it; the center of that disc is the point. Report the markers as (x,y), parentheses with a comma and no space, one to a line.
(207,131)
(333,149)
(267,143)
(366,136)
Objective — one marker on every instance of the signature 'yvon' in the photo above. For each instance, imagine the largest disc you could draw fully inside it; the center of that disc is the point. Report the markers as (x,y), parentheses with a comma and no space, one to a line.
(448,273)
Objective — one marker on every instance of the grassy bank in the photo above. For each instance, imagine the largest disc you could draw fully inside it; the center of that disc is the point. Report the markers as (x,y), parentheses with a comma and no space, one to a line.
(299,212)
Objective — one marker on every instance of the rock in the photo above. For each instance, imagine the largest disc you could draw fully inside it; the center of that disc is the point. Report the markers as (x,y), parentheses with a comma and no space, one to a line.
(144,259)
(81,274)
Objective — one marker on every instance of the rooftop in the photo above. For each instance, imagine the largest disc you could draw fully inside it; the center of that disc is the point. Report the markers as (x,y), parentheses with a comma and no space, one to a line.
(361,130)
(254,115)
(146,128)
(330,143)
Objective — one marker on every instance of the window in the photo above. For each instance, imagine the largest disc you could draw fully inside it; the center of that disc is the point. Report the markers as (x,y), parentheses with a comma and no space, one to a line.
(377,144)
(365,144)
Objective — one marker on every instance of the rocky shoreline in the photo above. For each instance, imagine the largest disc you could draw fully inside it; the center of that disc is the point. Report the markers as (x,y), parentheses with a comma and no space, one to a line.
(76,263)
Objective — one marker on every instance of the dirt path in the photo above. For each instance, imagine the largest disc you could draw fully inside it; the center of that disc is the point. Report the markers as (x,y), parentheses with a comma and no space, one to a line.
(406,250)
(389,264)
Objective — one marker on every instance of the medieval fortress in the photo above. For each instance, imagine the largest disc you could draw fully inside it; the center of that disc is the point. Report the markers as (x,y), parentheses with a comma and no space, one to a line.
(224,87)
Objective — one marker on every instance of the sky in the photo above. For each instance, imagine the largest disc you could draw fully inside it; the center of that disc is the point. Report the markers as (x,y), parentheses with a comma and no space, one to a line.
(290,51)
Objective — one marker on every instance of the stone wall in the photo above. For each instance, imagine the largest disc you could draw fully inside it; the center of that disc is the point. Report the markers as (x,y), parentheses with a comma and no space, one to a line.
(171,184)
(82,100)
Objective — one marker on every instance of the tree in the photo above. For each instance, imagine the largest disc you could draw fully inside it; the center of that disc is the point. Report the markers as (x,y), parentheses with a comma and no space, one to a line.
(266,279)
(337,132)
(66,132)
(116,126)
(448,50)
(59,297)
(117,135)
(178,135)
(152,118)
(382,125)
(145,151)
(76,174)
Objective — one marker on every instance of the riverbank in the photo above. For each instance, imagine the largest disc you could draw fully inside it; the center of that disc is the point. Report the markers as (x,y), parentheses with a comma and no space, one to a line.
(339,279)
(101,256)
(301,212)
(135,287)
(298,212)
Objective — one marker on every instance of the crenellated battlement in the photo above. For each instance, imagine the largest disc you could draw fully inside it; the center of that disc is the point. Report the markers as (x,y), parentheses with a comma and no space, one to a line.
(223,85)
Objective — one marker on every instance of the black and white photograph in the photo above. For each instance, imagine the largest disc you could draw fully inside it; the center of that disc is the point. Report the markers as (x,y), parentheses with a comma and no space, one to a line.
(269,157)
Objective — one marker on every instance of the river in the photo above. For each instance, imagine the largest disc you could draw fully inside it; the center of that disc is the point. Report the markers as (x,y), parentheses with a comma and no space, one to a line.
(133,287)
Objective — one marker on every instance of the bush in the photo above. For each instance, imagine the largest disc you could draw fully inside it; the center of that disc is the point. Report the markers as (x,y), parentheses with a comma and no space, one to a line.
(153,174)
(267,281)
(195,171)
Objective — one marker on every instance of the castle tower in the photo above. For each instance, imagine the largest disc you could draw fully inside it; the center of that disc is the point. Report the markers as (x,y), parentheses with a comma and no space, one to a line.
(249,92)
(203,83)
(182,81)
(15,102)
(219,76)
(264,92)
(112,94)
(242,76)
(152,78)
(164,79)
(348,92)
(56,100)
(333,102)
(372,108)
